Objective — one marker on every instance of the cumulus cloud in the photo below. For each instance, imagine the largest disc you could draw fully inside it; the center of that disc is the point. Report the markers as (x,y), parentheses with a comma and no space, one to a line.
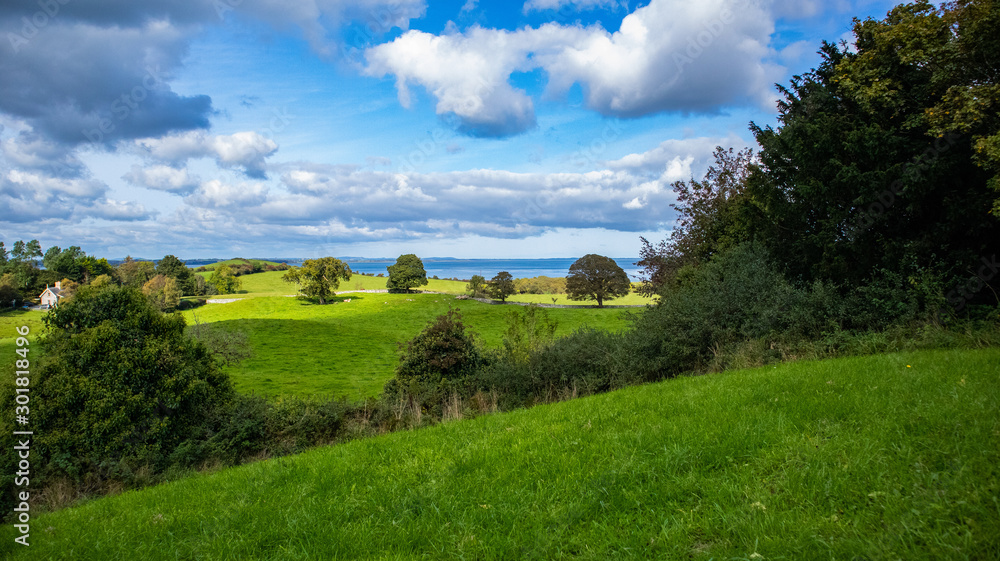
(162,178)
(99,71)
(675,159)
(110,209)
(242,150)
(220,194)
(670,55)
(504,203)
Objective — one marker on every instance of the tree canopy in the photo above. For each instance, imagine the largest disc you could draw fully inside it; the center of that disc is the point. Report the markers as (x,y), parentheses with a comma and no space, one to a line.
(501,286)
(865,181)
(407,273)
(120,381)
(318,278)
(596,277)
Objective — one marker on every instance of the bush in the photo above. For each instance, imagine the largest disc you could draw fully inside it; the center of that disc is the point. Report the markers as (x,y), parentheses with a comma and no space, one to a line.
(441,359)
(122,385)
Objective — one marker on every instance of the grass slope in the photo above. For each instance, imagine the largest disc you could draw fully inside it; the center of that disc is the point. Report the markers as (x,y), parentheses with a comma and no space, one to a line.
(850,458)
(350,348)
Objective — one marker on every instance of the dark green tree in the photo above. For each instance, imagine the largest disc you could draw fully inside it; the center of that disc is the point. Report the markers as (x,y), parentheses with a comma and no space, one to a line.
(171,266)
(443,352)
(407,273)
(861,184)
(712,216)
(122,384)
(595,277)
(319,278)
(501,286)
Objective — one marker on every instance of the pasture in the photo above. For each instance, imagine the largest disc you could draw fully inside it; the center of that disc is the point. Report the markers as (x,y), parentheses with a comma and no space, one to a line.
(878,457)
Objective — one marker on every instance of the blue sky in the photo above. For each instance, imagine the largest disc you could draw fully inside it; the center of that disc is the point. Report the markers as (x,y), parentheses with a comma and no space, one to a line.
(548,128)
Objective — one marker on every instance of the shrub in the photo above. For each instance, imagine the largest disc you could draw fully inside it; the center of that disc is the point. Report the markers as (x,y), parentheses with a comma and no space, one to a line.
(439,360)
(121,384)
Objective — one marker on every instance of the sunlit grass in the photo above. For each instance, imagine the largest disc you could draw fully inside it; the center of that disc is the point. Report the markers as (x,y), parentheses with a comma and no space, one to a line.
(884,457)
(350,348)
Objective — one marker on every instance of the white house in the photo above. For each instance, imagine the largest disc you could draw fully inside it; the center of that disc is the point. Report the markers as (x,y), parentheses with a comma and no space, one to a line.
(51,296)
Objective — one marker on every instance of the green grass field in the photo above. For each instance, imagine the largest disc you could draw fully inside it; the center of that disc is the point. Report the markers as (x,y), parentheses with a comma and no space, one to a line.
(350,348)
(239,261)
(881,457)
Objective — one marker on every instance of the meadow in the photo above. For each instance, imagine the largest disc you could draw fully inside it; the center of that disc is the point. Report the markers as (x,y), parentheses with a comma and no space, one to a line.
(879,457)
(349,347)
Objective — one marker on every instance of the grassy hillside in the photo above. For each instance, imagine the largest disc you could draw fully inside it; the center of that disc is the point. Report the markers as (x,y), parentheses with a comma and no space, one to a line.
(350,348)
(884,457)
(240,261)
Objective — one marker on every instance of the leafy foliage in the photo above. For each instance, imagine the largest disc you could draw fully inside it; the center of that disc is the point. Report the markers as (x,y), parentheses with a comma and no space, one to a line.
(224,280)
(407,273)
(595,277)
(438,360)
(163,291)
(121,383)
(865,179)
(501,286)
(173,267)
(712,216)
(319,278)
(477,286)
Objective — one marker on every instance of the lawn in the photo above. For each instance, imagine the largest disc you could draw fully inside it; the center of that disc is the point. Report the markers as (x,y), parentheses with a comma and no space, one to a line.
(350,348)
(880,457)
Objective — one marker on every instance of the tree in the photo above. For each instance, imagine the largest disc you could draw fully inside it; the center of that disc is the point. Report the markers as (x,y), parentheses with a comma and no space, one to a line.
(477,285)
(319,278)
(501,286)
(163,291)
(224,281)
(595,277)
(712,216)
(135,273)
(864,183)
(529,330)
(443,352)
(122,384)
(407,273)
(171,266)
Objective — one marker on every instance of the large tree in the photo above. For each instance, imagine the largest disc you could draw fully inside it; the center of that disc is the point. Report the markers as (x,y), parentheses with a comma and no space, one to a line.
(319,278)
(224,280)
(407,273)
(171,266)
(501,286)
(596,277)
(712,216)
(121,383)
(864,182)
(135,273)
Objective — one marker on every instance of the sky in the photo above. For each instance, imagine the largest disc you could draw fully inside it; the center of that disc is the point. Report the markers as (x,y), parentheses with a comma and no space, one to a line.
(374,128)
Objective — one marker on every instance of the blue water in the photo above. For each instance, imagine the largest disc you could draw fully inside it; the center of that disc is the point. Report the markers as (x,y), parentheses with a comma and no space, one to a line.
(462,269)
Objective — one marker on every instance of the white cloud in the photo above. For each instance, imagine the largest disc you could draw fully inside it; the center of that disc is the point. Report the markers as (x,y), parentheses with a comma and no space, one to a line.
(218,194)
(670,55)
(162,178)
(246,150)
(110,209)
